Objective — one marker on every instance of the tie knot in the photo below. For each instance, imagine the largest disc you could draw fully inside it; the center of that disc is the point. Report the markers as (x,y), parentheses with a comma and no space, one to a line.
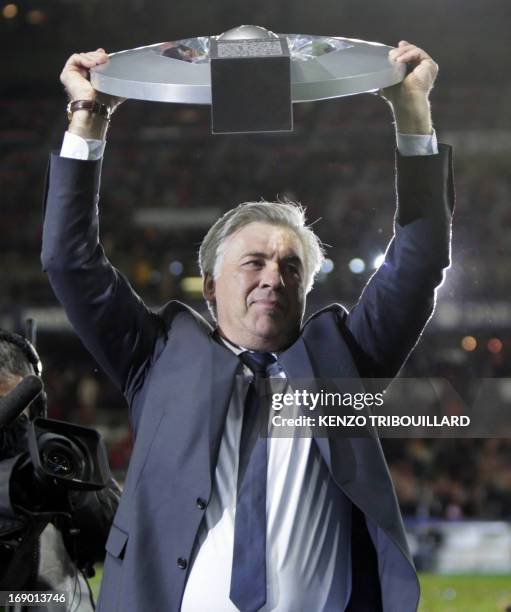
(257,361)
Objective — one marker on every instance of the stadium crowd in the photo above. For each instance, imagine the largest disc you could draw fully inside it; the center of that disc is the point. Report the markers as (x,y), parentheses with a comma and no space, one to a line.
(335,164)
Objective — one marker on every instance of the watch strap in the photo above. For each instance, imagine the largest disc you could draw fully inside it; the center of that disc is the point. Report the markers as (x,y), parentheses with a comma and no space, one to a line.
(94,107)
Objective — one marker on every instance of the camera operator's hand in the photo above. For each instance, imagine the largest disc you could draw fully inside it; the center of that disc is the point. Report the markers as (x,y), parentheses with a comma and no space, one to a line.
(25,491)
(410,98)
(92,514)
(75,77)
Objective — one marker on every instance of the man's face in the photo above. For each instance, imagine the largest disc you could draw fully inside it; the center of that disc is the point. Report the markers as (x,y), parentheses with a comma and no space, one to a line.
(260,290)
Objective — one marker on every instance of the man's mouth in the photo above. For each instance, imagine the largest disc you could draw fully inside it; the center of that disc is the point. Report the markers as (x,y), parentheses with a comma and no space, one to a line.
(268,303)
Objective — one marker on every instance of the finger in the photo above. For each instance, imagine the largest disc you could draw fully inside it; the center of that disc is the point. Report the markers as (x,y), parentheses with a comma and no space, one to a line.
(76,61)
(398,51)
(401,46)
(404,47)
(412,55)
(85,60)
(94,56)
(75,65)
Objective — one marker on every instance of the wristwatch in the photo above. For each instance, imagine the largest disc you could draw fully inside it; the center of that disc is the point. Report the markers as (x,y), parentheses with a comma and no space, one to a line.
(94,107)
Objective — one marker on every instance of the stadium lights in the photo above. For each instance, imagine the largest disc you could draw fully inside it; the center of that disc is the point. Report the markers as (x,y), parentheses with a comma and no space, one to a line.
(10,11)
(357,265)
(469,344)
(36,17)
(327,266)
(176,268)
(192,284)
(378,260)
(495,345)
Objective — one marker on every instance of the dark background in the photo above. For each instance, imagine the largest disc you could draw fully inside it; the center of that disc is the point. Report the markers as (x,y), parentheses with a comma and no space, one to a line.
(338,162)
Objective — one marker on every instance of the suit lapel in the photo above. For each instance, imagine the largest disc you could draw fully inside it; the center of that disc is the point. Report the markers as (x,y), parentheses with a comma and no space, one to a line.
(298,368)
(223,368)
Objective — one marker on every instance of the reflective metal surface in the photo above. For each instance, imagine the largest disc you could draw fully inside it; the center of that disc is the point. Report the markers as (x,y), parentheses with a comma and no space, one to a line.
(322,67)
(247,32)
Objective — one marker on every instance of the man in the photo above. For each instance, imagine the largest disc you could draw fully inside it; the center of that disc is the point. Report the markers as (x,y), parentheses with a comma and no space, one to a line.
(34,553)
(211,519)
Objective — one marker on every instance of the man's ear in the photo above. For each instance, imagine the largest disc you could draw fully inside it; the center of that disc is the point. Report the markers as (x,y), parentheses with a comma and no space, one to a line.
(208,287)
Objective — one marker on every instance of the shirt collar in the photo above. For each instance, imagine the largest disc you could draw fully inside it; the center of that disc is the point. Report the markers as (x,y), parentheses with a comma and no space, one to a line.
(236,349)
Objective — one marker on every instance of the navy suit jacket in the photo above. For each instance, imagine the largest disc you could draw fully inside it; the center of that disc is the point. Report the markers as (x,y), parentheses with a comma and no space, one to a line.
(178,379)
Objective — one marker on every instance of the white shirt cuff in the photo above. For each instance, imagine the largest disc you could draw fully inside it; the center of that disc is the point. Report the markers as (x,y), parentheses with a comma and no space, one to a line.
(76,147)
(417,144)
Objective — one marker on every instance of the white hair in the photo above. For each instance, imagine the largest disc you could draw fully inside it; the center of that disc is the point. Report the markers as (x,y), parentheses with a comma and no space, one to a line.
(287,214)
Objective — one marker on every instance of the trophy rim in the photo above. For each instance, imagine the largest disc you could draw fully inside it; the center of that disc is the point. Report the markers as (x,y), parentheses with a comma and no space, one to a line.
(358,67)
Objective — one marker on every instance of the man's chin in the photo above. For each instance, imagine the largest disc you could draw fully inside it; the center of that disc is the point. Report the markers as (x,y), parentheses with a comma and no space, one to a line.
(273,329)
(272,321)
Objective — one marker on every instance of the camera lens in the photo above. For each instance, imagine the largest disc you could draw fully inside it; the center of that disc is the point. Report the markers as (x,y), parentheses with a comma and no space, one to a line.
(59,461)
(61,457)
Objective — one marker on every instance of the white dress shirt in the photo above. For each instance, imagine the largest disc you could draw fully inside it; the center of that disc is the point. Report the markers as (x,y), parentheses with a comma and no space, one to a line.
(308,530)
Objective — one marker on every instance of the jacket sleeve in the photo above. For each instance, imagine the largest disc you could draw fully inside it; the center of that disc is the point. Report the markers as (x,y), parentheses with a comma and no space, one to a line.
(387,321)
(110,318)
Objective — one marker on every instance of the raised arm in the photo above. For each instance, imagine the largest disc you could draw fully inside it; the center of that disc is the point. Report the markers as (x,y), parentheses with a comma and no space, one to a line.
(397,302)
(75,77)
(409,99)
(112,321)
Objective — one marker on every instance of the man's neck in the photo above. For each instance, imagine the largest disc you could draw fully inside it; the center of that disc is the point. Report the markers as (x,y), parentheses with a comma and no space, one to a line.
(261,345)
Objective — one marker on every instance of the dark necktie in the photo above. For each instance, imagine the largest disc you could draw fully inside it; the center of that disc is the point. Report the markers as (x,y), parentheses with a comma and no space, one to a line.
(248,576)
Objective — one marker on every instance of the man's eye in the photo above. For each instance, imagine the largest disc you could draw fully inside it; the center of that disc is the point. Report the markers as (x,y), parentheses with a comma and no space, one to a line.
(293,268)
(254,263)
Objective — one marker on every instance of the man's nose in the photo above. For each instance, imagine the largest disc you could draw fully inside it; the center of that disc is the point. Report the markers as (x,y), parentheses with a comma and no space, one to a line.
(271,276)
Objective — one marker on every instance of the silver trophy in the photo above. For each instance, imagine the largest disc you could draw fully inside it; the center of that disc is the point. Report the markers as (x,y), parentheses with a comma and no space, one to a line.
(249,75)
